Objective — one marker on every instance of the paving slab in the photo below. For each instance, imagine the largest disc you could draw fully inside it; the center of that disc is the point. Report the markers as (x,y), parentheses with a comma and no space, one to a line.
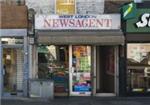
(78,101)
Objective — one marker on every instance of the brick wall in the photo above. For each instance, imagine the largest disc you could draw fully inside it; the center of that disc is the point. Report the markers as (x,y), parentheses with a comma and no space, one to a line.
(12,16)
(113,6)
(13,2)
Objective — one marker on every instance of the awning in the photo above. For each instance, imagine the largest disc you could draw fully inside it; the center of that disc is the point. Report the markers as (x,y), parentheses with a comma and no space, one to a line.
(81,37)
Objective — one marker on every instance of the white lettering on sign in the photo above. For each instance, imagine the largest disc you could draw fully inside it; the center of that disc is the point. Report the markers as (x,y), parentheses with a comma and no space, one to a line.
(145,21)
(56,22)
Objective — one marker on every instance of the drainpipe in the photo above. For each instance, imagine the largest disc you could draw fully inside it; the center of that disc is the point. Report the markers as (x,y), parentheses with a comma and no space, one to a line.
(26,69)
(1,77)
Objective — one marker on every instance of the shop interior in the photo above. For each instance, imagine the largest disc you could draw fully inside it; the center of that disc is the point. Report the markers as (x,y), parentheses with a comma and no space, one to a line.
(105,73)
(54,63)
(138,67)
(70,68)
(9,70)
(12,66)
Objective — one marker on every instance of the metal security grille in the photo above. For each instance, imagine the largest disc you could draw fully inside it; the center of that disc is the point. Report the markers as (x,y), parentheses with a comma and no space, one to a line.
(19,70)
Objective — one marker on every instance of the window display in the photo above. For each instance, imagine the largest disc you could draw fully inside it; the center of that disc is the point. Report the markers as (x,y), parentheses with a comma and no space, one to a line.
(53,64)
(81,63)
(138,67)
(61,62)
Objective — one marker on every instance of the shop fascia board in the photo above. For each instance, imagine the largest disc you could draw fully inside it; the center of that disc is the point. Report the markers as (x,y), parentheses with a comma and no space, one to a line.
(13,32)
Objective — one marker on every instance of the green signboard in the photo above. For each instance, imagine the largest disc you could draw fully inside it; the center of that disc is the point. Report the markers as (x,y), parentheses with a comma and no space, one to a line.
(43,49)
(140,23)
(137,19)
(129,11)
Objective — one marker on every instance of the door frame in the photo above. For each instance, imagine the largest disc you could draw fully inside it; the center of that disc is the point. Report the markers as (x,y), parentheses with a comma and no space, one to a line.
(1,67)
(71,93)
(14,33)
(116,76)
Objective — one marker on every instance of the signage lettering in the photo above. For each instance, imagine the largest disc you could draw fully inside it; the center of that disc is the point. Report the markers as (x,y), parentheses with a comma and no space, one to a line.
(79,22)
(145,21)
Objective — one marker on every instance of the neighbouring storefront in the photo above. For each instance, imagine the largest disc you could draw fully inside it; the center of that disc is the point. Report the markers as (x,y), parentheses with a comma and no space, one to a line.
(13,51)
(137,30)
(80,53)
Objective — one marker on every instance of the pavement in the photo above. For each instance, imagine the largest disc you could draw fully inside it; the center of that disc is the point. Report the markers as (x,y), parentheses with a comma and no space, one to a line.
(79,101)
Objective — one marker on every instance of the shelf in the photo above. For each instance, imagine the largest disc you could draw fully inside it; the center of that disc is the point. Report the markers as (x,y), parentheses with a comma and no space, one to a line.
(61,94)
(137,67)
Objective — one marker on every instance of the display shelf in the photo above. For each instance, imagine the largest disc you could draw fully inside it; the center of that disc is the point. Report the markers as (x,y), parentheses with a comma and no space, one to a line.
(61,83)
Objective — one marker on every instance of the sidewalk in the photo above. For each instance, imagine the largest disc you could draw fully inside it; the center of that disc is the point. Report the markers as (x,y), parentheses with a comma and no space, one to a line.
(79,101)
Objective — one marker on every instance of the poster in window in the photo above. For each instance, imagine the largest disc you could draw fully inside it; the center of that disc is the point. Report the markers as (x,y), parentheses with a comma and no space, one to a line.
(82,72)
(82,58)
(65,6)
(81,82)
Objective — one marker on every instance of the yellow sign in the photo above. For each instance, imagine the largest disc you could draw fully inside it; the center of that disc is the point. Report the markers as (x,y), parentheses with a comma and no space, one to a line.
(65,6)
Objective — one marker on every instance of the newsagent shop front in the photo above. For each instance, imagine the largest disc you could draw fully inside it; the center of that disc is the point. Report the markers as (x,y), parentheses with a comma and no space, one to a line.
(138,50)
(80,53)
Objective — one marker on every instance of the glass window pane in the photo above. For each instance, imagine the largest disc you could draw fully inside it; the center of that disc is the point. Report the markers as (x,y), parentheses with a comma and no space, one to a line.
(138,60)
(53,63)
(12,41)
(65,6)
(138,54)
(12,70)
(81,63)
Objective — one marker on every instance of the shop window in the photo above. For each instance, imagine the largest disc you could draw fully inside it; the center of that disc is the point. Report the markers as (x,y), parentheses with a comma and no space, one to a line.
(81,70)
(53,64)
(138,69)
(51,59)
(12,41)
